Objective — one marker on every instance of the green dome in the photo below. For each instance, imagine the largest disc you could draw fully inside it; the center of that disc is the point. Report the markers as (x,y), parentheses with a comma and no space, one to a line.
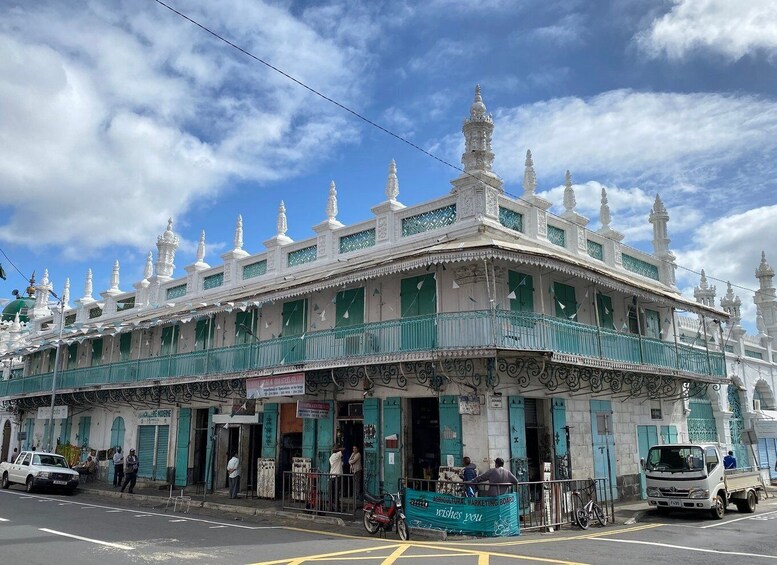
(20,305)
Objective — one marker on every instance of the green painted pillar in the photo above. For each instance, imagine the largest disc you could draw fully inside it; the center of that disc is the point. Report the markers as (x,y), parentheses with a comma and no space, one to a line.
(270,431)
(182,447)
(450,430)
(371,452)
(392,448)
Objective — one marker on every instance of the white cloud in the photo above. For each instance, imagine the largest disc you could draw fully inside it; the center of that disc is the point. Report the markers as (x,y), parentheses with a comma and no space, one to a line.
(113,120)
(732,29)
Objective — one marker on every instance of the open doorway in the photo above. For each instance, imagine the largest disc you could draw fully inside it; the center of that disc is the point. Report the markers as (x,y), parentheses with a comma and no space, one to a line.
(423,457)
(350,433)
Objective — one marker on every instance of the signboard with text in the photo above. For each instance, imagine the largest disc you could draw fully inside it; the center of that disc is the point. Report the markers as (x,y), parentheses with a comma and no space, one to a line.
(765,428)
(158,417)
(60,412)
(312,409)
(292,384)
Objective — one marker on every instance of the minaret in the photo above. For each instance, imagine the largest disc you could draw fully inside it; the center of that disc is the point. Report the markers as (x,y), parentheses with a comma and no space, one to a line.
(478,157)
(166,245)
(704,293)
(392,182)
(529,176)
(659,217)
(766,297)
(732,305)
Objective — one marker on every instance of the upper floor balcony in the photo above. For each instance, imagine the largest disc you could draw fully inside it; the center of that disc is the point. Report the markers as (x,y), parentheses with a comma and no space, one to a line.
(474,333)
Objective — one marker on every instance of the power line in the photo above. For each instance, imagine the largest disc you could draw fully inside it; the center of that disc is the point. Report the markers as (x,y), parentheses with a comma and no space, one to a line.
(25,277)
(397,136)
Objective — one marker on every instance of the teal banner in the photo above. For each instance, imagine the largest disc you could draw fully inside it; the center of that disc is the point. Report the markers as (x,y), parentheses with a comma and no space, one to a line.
(482,516)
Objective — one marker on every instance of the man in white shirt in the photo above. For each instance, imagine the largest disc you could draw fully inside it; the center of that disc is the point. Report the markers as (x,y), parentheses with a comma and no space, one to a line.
(118,467)
(335,477)
(233,468)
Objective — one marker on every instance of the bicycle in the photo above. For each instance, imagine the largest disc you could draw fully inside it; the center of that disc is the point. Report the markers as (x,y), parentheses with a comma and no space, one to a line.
(585,512)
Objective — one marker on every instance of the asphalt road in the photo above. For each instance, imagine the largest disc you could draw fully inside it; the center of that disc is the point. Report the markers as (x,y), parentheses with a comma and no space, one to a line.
(51,528)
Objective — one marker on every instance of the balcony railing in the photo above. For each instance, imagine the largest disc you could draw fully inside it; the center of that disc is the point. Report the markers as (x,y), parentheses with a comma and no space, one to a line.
(440,332)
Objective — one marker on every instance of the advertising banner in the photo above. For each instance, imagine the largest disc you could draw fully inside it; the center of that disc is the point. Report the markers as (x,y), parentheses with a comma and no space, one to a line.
(312,409)
(482,516)
(280,385)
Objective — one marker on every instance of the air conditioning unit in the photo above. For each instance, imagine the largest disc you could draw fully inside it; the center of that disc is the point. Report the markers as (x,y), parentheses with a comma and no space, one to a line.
(756,404)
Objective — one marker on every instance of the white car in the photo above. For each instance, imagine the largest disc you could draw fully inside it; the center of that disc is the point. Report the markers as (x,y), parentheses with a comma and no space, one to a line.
(36,469)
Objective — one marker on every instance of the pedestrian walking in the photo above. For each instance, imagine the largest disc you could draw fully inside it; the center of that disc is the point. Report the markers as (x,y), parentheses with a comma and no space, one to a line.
(233,468)
(355,463)
(130,471)
(118,467)
(499,478)
(468,474)
(335,477)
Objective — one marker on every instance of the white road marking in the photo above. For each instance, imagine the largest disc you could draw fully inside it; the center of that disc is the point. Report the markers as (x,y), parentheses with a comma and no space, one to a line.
(173,521)
(112,511)
(142,515)
(217,527)
(99,542)
(699,549)
(3,519)
(752,516)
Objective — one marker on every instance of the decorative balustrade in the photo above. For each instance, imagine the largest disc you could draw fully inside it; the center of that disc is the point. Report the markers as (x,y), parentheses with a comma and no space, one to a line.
(440,332)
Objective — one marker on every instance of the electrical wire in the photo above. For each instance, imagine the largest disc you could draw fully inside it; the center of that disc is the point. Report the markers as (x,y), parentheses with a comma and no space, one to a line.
(399,137)
(25,277)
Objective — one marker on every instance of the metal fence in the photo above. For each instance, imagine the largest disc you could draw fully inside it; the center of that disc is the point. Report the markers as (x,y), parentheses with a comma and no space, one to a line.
(540,504)
(320,493)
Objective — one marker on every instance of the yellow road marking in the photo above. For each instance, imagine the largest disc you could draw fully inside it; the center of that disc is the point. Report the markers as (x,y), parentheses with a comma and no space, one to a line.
(510,556)
(298,560)
(394,556)
(483,559)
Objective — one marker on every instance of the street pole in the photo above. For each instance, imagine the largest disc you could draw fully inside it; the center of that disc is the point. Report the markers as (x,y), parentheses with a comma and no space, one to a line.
(50,439)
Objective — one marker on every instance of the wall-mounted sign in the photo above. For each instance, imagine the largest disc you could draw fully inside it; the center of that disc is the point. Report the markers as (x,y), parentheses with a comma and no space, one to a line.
(60,412)
(292,384)
(469,405)
(495,402)
(158,417)
(765,428)
(312,409)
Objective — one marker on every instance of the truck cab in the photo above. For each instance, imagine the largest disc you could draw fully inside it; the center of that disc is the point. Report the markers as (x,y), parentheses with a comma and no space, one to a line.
(692,477)
(36,469)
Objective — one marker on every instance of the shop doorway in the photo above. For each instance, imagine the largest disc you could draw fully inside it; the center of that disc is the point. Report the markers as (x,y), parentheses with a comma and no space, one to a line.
(4,451)
(254,452)
(423,457)
(350,432)
(200,445)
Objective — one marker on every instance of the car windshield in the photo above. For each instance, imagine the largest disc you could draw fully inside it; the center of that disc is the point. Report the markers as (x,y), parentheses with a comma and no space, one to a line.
(50,461)
(675,459)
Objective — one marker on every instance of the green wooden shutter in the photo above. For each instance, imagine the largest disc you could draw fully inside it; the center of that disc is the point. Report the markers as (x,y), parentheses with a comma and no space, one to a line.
(53,358)
(29,431)
(97,352)
(245,325)
(170,340)
(450,429)
(520,291)
(517,421)
(72,355)
(324,438)
(209,450)
(652,324)
(203,334)
(561,464)
(309,439)
(46,434)
(349,308)
(270,430)
(418,303)
(294,323)
(160,455)
(371,451)
(669,434)
(64,430)
(604,308)
(564,298)
(125,346)
(84,428)
(182,447)
(392,456)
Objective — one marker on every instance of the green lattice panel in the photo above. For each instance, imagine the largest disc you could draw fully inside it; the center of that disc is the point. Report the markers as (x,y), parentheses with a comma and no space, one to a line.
(701,421)
(176,291)
(595,250)
(640,267)
(358,240)
(255,269)
(213,281)
(431,220)
(70,319)
(95,312)
(125,304)
(557,236)
(302,256)
(511,219)
(753,354)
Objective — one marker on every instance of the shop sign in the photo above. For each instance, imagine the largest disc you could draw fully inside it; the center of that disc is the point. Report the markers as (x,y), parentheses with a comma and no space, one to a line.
(765,428)
(60,412)
(279,385)
(158,417)
(312,409)
(469,405)
(482,515)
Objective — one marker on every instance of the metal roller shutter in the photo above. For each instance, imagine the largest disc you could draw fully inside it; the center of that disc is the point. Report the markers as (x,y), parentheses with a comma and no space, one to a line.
(146,437)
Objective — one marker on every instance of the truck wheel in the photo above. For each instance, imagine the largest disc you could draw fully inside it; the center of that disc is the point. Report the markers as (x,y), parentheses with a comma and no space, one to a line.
(6,482)
(30,484)
(747,506)
(718,509)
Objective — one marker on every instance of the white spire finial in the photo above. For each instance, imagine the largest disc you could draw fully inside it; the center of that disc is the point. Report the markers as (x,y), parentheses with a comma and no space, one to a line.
(478,129)
(529,176)
(66,293)
(45,280)
(392,182)
(604,211)
(88,284)
(239,233)
(282,219)
(331,203)
(166,244)
(115,276)
(569,193)
(201,248)
(149,270)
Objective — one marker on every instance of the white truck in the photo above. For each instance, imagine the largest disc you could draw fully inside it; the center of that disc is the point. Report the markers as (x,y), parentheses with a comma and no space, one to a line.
(36,469)
(692,477)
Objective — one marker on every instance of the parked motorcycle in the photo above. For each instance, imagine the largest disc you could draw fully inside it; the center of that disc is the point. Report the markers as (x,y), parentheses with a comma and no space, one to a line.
(379,516)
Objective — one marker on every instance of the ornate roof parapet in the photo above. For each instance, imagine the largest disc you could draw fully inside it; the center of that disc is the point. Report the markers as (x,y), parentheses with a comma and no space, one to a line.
(280,237)
(659,217)
(166,244)
(325,238)
(570,202)
(200,264)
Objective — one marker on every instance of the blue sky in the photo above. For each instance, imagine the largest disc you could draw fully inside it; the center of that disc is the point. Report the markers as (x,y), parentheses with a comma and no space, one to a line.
(115,116)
